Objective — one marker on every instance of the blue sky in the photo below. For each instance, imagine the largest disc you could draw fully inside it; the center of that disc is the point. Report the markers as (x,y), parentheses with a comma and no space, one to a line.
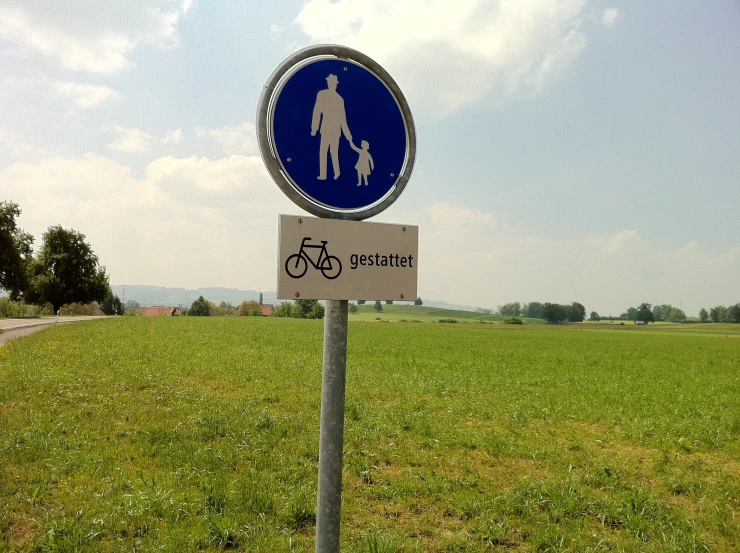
(567,151)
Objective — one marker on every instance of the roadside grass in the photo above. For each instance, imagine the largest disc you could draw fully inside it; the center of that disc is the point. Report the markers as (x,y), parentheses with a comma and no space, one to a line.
(424,314)
(202,434)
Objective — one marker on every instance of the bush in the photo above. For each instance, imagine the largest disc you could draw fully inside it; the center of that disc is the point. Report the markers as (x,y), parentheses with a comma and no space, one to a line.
(15,310)
(283,310)
(448,320)
(317,311)
(77,309)
(513,321)
(249,308)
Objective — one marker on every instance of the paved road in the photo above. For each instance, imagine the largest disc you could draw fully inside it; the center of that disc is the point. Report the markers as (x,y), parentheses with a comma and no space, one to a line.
(15,328)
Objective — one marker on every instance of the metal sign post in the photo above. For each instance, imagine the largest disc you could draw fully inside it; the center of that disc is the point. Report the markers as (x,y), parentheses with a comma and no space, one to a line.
(337,136)
(331,432)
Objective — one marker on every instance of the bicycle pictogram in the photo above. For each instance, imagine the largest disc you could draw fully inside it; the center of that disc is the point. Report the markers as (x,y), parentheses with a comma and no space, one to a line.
(297,264)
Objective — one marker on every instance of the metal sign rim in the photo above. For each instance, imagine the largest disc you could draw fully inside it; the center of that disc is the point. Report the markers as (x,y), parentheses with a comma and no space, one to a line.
(264,136)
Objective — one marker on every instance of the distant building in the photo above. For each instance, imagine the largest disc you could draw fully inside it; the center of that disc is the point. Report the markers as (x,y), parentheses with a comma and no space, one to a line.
(267,309)
(158,311)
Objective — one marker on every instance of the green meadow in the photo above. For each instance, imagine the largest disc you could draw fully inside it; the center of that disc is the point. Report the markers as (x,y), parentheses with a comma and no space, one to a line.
(201,434)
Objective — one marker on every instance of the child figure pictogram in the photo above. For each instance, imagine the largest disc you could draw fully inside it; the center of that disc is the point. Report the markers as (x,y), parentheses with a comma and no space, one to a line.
(365,163)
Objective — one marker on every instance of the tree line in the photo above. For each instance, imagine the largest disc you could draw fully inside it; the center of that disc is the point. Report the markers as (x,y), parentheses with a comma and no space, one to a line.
(65,269)
(553,313)
(300,309)
(648,313)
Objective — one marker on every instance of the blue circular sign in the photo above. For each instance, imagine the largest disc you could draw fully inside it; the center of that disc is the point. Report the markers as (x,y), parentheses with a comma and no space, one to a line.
(337,130)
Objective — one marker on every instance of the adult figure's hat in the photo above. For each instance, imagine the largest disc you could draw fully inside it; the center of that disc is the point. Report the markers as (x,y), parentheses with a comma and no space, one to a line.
(331,78)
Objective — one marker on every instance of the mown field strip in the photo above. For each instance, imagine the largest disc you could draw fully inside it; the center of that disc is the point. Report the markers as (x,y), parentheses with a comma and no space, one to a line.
(202,434)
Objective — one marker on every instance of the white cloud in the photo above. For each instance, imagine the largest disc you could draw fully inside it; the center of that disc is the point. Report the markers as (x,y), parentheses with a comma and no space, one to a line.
(231,173)
(186,222)
(466,258)
(131,140)
(470,49)
(86,35)
(87,95)
(187,5)
(626,241)
(610,17)
(234,139)
(20,148)
(173,137)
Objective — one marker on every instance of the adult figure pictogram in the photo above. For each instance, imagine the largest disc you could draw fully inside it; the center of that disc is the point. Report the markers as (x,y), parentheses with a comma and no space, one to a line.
(330,119)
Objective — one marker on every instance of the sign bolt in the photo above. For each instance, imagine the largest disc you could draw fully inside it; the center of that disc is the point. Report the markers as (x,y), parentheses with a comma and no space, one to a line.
(289,160)
(300,221)
(297,294)
(401,296)
(404,229)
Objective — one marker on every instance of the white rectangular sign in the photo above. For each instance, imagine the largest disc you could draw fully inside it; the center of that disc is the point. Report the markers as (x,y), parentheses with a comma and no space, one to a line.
(329,259)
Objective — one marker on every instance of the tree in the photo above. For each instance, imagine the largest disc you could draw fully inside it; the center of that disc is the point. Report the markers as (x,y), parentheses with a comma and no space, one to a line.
(554,313)
(733,313)
(594,317)
(285,309)
(703,315)
(131,304)
(644,313)
(576,312)
(200,308)
(418,301)
(227,308)
(353,308)
(66,270)
(534,310)
(249,309)
(630,315)
(714,314)
(675,315)
(510,309)
(723,314)
(112,306)
(308,309)
(378,306)
(317,311)
(15,252)
(215,311)
(260,298)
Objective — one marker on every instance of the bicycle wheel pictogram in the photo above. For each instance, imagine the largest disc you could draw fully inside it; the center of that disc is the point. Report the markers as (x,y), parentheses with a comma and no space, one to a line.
(296,266)
(331,267)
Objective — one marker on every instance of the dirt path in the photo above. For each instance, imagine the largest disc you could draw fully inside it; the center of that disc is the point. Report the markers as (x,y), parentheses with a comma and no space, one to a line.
(12,334)
(16,328)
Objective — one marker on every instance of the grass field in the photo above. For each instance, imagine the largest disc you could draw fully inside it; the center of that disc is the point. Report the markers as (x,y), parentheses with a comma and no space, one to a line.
(201,434)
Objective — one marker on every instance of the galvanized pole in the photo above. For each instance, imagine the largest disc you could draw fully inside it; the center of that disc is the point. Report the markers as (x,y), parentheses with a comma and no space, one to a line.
(331,432)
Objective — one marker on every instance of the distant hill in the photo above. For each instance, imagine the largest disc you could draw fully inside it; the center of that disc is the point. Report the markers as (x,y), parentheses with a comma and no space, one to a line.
(445,305)
(424,314)
(175,297)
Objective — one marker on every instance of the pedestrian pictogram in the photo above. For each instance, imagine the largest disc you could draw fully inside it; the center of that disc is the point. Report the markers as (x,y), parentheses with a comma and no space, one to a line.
(297,264)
